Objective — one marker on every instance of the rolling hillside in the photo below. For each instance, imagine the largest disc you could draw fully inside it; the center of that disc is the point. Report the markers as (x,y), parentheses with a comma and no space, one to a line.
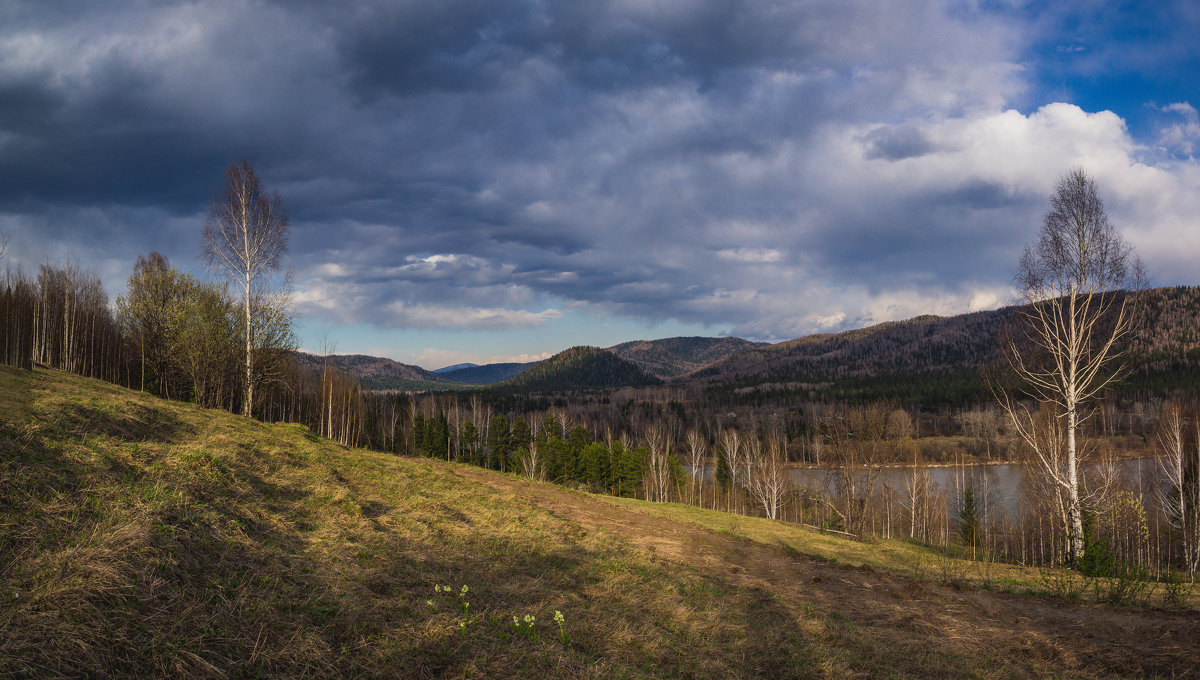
(145,538)
(941,356)
(673,357)
(579,368)
(940,360)
(927,360)
(455,367)
(487,373)
(379,373)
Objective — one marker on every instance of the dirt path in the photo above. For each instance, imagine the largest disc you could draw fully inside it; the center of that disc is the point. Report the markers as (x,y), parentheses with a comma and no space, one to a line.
(1088,638)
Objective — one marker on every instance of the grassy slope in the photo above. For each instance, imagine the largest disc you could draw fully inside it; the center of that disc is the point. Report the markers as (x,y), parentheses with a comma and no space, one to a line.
(140,537)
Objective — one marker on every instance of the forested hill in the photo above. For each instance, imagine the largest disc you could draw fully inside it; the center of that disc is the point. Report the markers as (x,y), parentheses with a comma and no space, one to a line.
(878,362)
(378,373)
(673,357)
(927,360)
(1167,351)
(579,368)
(487,374)
(939,360)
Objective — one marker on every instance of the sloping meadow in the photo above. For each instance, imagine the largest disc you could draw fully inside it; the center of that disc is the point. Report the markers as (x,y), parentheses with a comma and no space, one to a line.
(142,537)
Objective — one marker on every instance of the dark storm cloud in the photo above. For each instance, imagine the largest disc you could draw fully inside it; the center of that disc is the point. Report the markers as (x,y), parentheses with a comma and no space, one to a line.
(704,161)
(897,143)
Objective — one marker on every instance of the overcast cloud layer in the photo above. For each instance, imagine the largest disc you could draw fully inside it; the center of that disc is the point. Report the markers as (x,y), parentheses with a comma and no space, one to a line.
(763,169)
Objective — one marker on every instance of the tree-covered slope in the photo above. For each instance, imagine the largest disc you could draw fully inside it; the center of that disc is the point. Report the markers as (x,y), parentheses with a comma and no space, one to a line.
(378,373)
(941,360)
(672,357)
(487,373)
(579,368)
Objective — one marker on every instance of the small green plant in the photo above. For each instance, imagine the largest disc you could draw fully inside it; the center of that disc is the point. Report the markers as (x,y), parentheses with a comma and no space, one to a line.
(562,633)
(1175,591)
(986,563)
(463,605)
(526,631)
(951,569)
(1061,582)
(1125,583)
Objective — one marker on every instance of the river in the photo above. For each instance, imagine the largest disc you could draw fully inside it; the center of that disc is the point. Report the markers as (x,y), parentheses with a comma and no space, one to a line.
(1001,483)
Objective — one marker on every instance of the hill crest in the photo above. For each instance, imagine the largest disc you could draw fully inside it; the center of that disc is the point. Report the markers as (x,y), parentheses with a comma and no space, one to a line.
(673,357)
(580,368)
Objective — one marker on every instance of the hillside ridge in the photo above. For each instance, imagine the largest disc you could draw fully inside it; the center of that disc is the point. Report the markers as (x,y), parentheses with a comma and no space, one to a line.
(579,368)
(673,357)
(930,358)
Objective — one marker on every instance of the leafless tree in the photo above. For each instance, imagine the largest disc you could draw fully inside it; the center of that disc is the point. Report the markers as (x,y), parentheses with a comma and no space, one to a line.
(815,446)
(1079,282)
(899,424)
(697,447)
(916,487)
(659,469)
(246,237)
(858,452)
(530,461)
(731,443)
(19,303)
(328,349)
(1180,496)
(3,244)
(768,478)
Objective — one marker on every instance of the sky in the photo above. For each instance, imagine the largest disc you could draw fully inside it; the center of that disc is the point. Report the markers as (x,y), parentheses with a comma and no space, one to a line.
(498,180)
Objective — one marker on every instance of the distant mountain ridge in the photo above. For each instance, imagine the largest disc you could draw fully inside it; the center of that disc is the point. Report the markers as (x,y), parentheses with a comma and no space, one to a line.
(487,374)
(932,359)
(579,368)
(378,373)
(927,359)
(451,369)
(673,357)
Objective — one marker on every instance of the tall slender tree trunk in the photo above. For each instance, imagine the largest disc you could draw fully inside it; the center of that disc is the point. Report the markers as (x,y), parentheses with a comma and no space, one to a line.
(249,357)
(1074,509)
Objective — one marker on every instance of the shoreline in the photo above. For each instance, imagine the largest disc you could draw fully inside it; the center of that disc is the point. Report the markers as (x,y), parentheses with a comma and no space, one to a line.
(936,465)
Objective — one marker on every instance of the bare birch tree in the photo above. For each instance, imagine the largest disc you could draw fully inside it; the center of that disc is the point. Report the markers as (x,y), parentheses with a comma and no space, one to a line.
(530,460)
(731,443)
(1180,495)
(857,452)
(697,448)
(768,478)
(659,468)
(1076,281)
(246,237)
(815,446)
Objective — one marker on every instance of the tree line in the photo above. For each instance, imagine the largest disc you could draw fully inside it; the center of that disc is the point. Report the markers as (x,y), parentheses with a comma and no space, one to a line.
(170,334)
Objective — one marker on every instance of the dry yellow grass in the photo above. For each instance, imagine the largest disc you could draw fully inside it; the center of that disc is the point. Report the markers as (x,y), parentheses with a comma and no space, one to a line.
(146,538)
